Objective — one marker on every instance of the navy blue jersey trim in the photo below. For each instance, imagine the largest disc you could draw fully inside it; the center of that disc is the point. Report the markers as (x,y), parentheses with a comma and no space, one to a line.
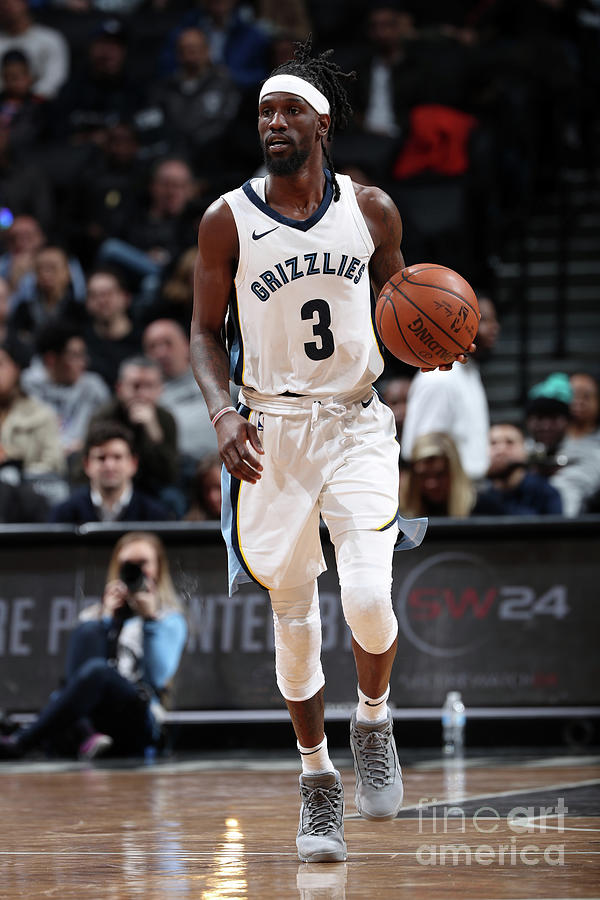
(304,224)
(237,344)
(391,522)
(380,344)
(233,497)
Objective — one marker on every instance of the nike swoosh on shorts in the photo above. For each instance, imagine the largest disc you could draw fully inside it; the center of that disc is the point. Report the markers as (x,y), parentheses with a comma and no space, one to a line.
(257,237)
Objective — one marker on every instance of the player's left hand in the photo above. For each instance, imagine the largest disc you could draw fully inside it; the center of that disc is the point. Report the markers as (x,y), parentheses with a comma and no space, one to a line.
(461,358)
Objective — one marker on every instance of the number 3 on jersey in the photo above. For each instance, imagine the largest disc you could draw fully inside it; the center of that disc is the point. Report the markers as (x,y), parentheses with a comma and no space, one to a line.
(325,348)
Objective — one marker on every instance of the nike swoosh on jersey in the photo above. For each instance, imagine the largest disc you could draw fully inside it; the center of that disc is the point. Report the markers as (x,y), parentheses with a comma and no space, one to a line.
(368,403)
(257,237)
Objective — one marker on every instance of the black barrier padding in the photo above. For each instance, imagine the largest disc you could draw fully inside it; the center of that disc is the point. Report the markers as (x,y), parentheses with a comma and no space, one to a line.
(504,611)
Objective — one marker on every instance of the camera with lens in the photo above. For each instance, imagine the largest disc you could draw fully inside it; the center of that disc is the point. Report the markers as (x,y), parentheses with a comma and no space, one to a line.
(132,576)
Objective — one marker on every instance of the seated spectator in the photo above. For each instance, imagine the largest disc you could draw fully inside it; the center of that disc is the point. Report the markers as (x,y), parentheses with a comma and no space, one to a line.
(235,40)
(110,465)
(585,407)
(104,93)
(120,660)
(176,297)
(103,196)
(45,48)
(23,239)
(166,343)
(50,297)
(4,308)
(385,86)
(29,431)
(109,334)
(19,503)
(136,406)
(59,379)
(455,402)
(435,483)
(159,230)
(23,110)
(24,188)
(572,465)
(394,392)
(199,100)
(205,494)
(512,490)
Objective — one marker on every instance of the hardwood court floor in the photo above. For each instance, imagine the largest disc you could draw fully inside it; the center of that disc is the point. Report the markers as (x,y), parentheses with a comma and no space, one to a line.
(225,828)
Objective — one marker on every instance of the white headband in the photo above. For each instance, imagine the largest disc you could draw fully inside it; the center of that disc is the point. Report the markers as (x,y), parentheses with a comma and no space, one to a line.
(291,84)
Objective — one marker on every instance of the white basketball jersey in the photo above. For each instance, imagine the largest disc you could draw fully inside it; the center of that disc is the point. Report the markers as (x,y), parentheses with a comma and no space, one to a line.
(302,319)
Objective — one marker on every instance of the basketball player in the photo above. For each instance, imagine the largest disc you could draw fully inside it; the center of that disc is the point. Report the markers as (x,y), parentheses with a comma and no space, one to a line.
(303,247)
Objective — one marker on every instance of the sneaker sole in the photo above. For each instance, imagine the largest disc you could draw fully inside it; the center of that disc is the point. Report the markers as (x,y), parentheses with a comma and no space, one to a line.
(365,815)
(331,856)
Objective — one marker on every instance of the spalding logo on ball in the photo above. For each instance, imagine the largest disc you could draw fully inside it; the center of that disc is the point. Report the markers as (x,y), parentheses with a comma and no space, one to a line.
(427,315)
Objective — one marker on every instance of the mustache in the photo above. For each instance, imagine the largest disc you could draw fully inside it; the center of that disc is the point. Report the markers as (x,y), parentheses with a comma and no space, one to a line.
(278,138)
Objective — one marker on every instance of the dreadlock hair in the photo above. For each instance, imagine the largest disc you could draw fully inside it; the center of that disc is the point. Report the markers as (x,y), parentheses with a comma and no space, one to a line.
(327,77)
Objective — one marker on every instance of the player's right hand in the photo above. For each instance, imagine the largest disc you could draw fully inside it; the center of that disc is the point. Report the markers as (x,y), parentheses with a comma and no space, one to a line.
(234,433)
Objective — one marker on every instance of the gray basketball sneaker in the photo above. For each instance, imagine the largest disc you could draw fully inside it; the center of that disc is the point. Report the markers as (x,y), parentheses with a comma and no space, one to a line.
(379,789)
(321,830)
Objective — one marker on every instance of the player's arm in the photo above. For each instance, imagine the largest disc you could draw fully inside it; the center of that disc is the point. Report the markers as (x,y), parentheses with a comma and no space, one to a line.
(213,275)
(385,226)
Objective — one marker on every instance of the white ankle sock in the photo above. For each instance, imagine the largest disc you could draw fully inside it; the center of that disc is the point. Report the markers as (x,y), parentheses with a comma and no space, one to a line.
(374,711)
(315,759)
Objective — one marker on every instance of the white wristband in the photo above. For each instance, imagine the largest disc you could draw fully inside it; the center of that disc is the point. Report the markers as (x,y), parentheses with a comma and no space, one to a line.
(222,412)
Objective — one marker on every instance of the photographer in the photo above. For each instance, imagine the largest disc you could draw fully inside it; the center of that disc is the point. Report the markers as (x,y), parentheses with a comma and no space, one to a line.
(120,660)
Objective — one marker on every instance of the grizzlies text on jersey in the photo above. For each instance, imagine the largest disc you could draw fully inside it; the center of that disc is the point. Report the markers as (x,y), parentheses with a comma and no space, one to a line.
(302,318)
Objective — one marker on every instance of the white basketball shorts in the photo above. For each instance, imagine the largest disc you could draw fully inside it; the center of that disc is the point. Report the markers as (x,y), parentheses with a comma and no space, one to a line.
(337,458)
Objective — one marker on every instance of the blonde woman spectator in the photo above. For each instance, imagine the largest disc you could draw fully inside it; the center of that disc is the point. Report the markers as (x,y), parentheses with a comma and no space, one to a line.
(435,483)
(120,661)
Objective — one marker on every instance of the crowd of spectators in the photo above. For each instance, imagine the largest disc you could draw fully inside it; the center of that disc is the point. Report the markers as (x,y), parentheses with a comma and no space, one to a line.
(551,466)
(121,122)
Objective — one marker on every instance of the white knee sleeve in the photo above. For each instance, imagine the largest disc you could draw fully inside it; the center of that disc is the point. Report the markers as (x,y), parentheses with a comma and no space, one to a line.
(297,624)
(364,560)
(369,613)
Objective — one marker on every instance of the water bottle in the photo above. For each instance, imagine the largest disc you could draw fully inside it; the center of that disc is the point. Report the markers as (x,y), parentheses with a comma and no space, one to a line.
(453,724)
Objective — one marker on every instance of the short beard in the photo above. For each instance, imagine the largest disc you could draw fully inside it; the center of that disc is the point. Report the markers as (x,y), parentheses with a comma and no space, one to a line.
(505,473)
(289,166)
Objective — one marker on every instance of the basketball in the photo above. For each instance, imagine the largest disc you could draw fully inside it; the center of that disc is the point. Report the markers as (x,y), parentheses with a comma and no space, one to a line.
(426,315)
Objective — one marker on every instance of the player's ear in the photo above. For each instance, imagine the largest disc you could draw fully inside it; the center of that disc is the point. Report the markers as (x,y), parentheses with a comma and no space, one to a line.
(323,123)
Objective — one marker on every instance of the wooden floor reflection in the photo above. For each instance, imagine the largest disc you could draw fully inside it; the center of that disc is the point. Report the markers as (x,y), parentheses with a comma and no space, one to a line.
(204,831)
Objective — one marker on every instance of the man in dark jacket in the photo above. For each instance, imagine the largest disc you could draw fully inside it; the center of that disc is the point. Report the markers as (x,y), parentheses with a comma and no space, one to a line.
(514,490)
(110,465)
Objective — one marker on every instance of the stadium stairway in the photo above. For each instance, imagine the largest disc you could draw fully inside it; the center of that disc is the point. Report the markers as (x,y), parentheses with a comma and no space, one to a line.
(553,267)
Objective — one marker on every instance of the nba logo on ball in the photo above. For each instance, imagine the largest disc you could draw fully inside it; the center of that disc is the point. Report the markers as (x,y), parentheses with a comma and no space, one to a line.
(427,315)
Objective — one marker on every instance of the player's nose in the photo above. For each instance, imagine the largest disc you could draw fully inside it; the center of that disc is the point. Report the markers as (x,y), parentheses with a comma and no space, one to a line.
(277,122)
